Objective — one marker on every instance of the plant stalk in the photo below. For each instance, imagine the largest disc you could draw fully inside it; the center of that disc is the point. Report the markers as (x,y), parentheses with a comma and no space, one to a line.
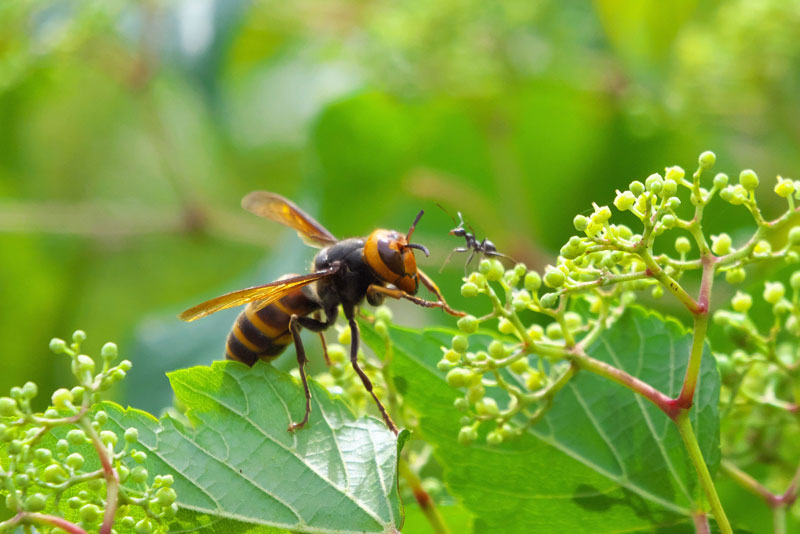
(423,497)
(686,431)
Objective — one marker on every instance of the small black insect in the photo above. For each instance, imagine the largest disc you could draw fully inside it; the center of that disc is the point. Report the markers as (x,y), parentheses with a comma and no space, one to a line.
(484,248)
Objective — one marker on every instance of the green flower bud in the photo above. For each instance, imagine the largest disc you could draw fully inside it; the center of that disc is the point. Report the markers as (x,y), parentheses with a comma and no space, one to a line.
(75,502)
(549,300)
(108,438)
(30,390)
(720,180)
(16,393)
(128,521)
(534,380)
(495,273)
(511,278)
(458,377)
(532,281)
(35,502)
(735,276)
(773,292)
(784,188)
(449,355)
(58,345)
(62,399)
(762,248)
(62,446)
(794,281)
(674,203)
(793,325)
(721,244)
(101,417)
(89,513)
(76,436)
(675,173)
(344,336)
(520,269)
(748,179)
(336,353)
(54,473)
(781,307)
(624,200)
(475,392)
(79,336)
(469,290)
(657,291)
(109,351)
(143,527)
(669,188)
(682,245)
(580,222)
(554,277)
(573,320)
(497,349)
(601,214)
(460,343)
(479,357)
(166,496)
(668,220)
(461,404)
(75,460)
(82,364)
(125,365)
(794,236)
(139,474)
(707,159)
(791,257)
(654,183)
(442,365)
(504,326)
(467,435)
(380,327)
(494,438)
(8,407)
(520,366)
(487,406)
(554,331)
(468,324)
(636,187)
(383,313)
(43,455)
(123,473)
(139,456)
(741,302)
(484,266)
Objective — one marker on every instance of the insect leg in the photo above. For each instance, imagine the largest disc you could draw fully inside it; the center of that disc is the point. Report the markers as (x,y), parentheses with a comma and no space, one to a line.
(361,374)
(322,341)
(294,327)
(433,288)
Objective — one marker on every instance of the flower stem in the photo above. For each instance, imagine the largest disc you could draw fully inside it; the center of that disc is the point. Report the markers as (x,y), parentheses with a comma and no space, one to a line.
(423,497)
(686,431)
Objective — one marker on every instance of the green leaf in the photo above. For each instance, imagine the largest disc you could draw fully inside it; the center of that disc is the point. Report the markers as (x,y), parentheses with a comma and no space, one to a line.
(237,467)
(602,460)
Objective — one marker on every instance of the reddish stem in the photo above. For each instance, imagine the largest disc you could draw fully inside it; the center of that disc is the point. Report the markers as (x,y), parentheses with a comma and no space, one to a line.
(54,520)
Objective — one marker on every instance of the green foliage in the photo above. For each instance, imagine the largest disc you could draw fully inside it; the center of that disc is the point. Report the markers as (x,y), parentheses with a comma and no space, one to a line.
(587,448)
(238,467)
(61,470)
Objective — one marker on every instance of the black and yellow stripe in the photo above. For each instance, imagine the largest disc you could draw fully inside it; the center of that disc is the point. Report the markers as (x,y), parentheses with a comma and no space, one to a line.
(263,332)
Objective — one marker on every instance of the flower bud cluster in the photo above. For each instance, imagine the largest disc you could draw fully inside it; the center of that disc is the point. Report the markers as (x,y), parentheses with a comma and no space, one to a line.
(41,471)
(596,274)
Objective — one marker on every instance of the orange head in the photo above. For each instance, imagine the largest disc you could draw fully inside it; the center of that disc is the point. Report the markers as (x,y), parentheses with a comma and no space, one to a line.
(391,256)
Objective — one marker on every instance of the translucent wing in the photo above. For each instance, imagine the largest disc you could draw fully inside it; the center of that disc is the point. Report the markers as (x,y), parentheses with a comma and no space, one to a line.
(279,209)
(269,293)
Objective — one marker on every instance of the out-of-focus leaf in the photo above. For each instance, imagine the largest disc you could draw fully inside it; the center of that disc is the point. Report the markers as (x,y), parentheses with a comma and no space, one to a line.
(239,465)
(611,460)
(457,519)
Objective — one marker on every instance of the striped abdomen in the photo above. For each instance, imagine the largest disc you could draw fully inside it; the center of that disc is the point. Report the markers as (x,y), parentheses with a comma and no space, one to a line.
(264,333)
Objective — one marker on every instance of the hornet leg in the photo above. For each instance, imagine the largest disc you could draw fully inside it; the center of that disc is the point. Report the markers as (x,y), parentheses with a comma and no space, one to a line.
(361,374)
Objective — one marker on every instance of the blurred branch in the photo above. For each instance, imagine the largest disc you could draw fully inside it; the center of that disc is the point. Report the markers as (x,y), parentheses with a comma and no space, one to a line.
(103,220)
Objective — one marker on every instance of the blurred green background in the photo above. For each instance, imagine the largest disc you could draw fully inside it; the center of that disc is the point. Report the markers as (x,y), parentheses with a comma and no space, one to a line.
(129,131)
